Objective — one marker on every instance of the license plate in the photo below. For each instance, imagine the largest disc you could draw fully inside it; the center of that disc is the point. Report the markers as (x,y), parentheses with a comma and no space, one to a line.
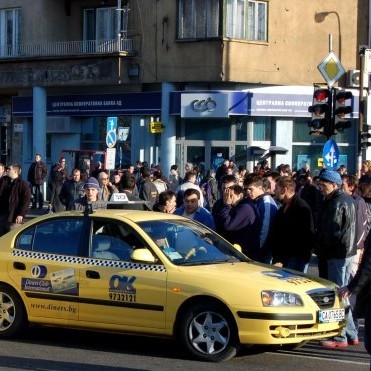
(331,315)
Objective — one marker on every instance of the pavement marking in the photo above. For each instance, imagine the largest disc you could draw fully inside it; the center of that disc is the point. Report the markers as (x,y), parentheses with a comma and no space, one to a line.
(286,353)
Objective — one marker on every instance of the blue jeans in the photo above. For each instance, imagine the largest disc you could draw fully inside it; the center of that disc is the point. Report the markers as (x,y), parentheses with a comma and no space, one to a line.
(339,272)
(297,264)
(38,196)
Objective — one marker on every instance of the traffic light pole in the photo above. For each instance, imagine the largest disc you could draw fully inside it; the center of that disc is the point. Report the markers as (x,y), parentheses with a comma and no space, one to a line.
(361,107)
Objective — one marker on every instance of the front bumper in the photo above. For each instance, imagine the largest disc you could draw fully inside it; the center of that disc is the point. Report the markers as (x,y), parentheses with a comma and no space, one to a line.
(283,328)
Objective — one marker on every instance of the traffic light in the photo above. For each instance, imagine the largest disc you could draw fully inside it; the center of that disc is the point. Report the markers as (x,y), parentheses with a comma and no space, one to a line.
(340,109)
(321,111)
(364,136)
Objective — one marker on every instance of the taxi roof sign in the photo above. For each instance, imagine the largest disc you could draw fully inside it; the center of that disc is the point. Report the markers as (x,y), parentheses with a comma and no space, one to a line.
(331,69)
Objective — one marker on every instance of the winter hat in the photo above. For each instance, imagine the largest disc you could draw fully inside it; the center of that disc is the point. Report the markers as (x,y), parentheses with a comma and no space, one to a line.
(331,176)
(91,182)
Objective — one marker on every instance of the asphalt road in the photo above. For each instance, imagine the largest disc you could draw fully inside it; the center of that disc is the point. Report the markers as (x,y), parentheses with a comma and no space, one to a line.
(61,349)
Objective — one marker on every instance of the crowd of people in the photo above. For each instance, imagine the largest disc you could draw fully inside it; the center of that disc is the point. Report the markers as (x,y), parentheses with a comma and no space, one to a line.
(277,216)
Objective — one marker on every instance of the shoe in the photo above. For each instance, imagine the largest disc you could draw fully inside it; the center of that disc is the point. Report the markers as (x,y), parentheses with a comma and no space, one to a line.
(334,344)
(353,342)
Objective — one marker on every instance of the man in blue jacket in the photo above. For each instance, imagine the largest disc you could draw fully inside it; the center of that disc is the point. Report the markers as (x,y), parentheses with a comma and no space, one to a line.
(238,221)
(192,208)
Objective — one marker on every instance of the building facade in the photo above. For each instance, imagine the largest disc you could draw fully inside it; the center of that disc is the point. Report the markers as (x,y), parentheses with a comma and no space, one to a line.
(189,81)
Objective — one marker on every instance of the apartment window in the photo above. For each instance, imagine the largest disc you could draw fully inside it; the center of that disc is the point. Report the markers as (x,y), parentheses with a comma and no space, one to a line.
(101,24)
(257,22)
(246,19)
(198,19)
(10,31)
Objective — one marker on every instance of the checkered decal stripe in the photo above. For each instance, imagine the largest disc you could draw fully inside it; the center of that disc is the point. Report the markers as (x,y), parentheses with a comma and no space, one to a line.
(88,261)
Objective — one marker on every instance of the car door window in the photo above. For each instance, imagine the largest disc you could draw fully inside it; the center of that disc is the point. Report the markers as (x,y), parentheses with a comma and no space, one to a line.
(57,236)
(113,240)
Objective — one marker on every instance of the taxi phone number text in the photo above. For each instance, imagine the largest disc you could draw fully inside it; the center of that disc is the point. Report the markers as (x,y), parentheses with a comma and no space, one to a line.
(122,297)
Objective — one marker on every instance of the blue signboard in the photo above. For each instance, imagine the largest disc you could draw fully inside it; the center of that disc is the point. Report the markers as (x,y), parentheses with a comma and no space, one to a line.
(331,155)
(144,103)
(255,103)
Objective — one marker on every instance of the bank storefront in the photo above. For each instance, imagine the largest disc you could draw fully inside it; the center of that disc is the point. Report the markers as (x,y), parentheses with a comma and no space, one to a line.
(263,123)
(198,127)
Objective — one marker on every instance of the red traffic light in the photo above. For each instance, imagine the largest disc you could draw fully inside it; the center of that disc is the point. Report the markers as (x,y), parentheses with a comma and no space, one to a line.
(321,95)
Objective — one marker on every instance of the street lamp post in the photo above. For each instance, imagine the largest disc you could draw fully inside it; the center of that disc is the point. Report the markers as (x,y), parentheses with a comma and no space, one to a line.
(320,17)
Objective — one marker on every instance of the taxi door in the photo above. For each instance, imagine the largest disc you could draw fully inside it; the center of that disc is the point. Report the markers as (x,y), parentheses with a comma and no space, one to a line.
(44,268)
(116,291)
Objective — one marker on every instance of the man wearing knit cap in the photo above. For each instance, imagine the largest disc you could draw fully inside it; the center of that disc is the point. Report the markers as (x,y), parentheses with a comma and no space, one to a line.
(92,189)
(337,245)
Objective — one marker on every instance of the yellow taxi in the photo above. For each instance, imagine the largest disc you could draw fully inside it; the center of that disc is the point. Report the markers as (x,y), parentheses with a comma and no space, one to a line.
(156,274)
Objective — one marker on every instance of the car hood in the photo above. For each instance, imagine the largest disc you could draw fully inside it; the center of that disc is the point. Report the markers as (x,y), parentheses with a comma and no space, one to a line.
(260,276)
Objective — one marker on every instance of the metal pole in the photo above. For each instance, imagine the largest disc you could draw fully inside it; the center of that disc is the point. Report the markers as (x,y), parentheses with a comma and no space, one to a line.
(330,42)
(360,109)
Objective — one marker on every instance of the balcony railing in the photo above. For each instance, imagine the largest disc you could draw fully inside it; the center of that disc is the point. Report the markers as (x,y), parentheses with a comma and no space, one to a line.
(67,48)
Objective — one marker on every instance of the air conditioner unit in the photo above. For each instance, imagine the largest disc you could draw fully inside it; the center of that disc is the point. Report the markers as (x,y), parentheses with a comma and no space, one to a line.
(353,79)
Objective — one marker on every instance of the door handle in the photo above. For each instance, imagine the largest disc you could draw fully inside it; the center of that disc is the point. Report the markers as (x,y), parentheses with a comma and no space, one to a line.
(93,274)
(19,266)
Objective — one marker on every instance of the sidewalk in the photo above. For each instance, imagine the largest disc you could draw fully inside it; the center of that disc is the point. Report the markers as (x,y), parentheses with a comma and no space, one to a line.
(32,213)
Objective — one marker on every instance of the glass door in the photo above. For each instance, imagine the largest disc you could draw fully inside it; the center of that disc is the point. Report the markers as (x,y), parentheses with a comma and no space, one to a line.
(195,156)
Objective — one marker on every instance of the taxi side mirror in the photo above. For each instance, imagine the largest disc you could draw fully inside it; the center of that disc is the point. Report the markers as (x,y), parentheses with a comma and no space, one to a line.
(143,255)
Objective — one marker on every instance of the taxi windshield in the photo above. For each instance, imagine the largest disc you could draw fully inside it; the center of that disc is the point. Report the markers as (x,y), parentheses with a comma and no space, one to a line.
(186,243)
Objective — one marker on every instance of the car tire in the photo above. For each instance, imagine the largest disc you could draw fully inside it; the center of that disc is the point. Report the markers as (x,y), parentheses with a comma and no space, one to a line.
(208,333)
(12,312)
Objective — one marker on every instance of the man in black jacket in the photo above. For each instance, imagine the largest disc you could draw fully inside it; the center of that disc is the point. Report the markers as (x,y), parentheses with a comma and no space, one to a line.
(15,199)
(361,285)
(336,240)
(291,238)
(36,175)
(72,190)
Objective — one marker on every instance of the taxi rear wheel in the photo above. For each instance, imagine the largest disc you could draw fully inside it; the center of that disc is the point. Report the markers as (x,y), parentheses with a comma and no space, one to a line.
(208,333)
(12,312)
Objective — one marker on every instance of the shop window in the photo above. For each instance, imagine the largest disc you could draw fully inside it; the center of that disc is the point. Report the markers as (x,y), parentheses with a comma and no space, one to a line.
(313,155)
(198,19)
(301,133)
(95,139)
(263,128)
(207,130)
(241,130)
(313,151)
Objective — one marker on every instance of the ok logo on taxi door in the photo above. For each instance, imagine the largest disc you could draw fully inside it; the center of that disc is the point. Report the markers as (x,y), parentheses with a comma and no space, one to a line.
(122,284)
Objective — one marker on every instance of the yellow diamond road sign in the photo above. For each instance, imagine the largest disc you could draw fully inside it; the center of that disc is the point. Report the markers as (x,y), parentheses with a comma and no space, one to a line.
(331,69)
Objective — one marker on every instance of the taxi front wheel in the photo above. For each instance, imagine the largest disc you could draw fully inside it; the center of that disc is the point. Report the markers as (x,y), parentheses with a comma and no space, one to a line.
(12,312)
(208,332)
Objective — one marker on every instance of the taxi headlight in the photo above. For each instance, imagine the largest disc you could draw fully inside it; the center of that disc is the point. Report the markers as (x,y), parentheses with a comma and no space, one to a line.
(280,298)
